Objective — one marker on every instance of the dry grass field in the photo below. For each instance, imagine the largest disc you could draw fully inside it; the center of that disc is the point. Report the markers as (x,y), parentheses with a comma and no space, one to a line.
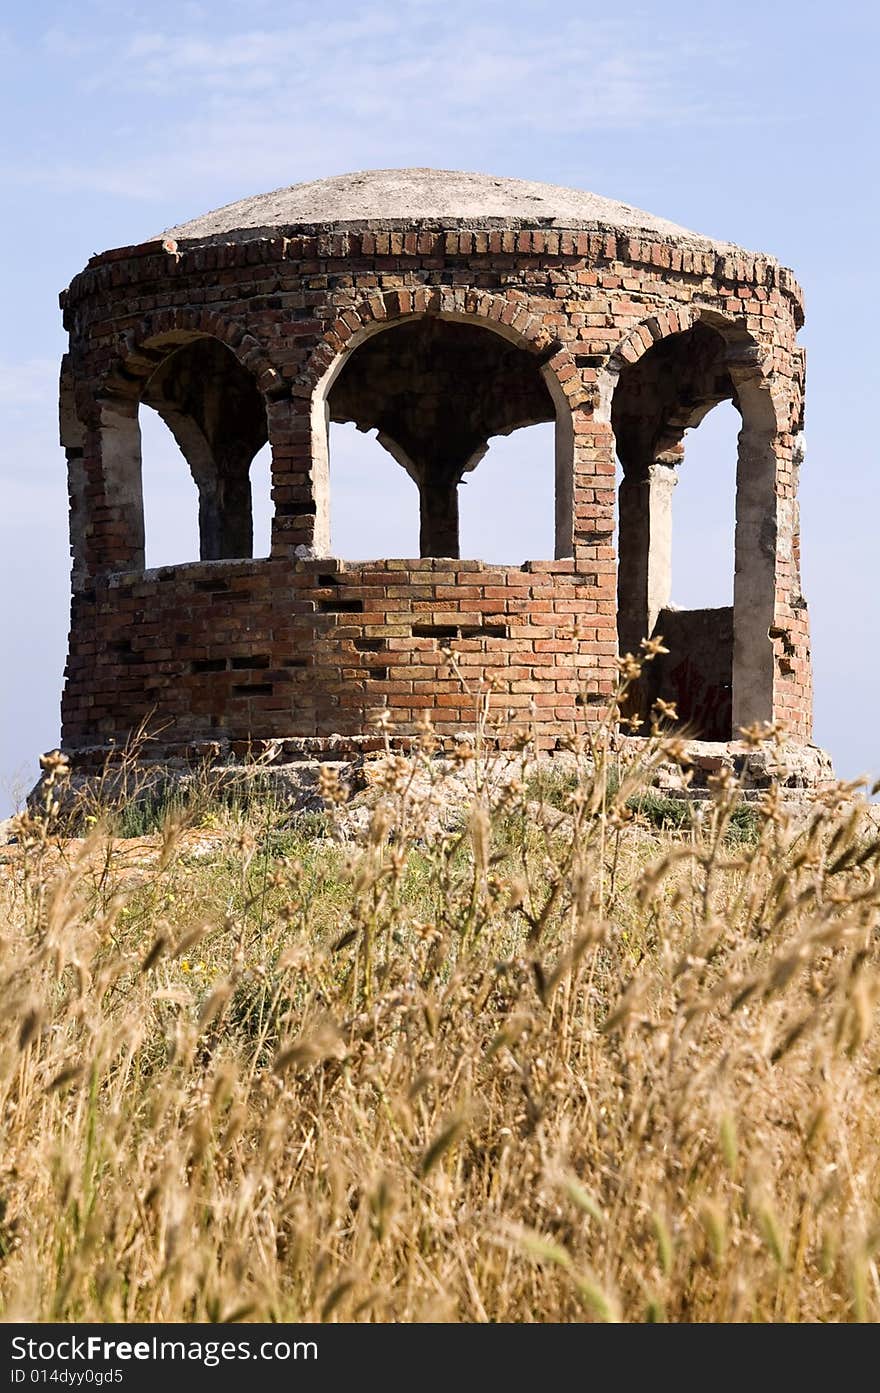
(548,1062)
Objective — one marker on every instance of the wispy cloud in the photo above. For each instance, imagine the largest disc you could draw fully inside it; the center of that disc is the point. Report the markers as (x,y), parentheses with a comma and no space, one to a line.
(205,109)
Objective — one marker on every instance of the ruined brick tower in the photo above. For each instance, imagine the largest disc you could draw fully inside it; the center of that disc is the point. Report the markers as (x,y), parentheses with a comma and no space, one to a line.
(441,308)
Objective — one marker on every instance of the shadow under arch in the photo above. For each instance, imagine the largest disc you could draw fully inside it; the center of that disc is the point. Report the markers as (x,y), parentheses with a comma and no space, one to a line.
(437,381)
(661,381)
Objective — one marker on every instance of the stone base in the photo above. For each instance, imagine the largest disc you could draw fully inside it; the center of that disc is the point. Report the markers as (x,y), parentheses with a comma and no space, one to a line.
(290,769)
(796,767)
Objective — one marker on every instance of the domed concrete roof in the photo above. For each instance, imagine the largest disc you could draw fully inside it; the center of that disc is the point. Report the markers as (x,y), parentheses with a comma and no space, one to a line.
(379,199)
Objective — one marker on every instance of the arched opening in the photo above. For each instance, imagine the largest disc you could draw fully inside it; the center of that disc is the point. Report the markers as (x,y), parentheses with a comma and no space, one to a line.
(435,391)
(261,501)
(705,583)
(170,495)
(704,512)
(375,502)
(506,502)
(207,418)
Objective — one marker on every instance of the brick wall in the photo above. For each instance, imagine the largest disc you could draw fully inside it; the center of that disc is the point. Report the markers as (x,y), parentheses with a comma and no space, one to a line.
(697,672)
(234,650)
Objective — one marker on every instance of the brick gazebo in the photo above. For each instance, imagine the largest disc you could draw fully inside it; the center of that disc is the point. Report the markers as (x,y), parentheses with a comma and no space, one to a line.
(442,309)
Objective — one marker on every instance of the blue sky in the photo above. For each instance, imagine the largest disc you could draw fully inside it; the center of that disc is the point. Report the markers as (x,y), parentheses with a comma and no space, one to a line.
(757,124)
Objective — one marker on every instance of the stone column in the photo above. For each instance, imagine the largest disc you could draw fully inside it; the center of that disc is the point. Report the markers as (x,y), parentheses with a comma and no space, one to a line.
(755,573)
(644,578)
(72,436)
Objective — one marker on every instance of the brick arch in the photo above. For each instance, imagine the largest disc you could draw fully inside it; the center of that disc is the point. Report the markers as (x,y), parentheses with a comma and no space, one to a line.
(746,357)
(765,397)
(509,319)
(180,325)
(218,457)
(657,326)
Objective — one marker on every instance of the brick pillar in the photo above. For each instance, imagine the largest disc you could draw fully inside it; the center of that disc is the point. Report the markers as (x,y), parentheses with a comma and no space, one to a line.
(300,477)
(438,515)
(225,513)
(593,534)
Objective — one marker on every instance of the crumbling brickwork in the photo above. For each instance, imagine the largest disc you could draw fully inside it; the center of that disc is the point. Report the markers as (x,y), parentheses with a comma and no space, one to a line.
(624,335)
